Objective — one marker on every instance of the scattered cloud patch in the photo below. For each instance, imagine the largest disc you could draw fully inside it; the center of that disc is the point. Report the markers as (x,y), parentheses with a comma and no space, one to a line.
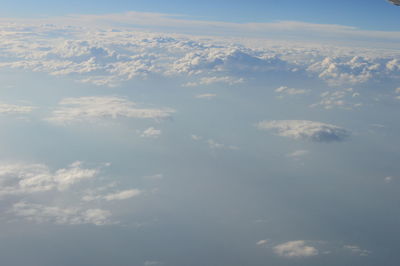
(343,98)
(92,195)
(11,109)
(65,216)
(83,109)
(17,179)
(295,249)
(123,195)
(297,154)
(151,132)
(283,90)
(212,80)
(306,130)
(206,96)
(212,144)
(262,242)
(357,250)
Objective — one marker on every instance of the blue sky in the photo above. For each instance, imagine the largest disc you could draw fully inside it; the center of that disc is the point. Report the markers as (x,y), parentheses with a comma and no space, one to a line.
(374,14)
(149,133)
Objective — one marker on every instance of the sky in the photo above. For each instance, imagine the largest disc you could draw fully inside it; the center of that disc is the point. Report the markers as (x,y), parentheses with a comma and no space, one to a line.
(212,133)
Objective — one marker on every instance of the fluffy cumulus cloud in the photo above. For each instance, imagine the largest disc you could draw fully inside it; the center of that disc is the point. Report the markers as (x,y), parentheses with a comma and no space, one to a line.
(108,57)
(306,130)
(85,109)
(30,178)
(35,193)
(295,249)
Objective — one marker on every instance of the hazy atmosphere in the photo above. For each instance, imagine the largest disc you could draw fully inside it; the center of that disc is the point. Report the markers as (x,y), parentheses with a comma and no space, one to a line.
(146,133)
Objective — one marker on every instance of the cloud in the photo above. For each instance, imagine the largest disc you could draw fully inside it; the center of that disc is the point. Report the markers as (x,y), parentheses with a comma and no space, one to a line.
(174,23)
(151,132)
(212,80)
(214,145)
(298,153)
(306,130)
(339,98)
(283,90)
(66,216)
(93,108)
(388,179)
(357,250)
(295,249)
(262,242)
(206,96)
(123,195)
(94,195)
(109,57)
(16,179)
(11,109)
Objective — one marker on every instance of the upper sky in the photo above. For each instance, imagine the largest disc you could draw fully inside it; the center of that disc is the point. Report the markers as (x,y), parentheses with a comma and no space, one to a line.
(371,14)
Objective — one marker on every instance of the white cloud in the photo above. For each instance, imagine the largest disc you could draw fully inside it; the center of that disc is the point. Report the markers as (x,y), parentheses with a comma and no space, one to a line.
(11,109)
(283,90)
(108,58)
(357,250)
(173,23)
(339,98)
(295,249)
(306,130)
(53,214)
(262,242)
(123,195)
(151,132)
(21,178)
(196,138)
(212,80)
(298,153)
(95,195)
(206,96)
(97,107)
(214,145)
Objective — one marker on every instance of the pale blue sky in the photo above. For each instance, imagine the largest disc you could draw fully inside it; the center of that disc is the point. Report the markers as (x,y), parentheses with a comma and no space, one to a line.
(371,14)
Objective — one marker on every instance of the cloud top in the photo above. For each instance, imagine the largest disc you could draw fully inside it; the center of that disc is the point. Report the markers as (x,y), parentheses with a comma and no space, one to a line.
(295,249)
(97,107)
(306,130)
